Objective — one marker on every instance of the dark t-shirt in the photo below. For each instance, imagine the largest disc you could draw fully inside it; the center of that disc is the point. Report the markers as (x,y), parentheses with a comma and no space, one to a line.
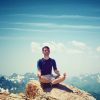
(46,66)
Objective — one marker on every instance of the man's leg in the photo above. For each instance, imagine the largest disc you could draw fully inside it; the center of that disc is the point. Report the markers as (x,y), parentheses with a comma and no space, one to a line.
(44,79)
(59,79)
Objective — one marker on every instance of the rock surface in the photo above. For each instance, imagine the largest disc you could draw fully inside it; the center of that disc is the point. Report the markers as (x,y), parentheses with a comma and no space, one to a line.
(57,92)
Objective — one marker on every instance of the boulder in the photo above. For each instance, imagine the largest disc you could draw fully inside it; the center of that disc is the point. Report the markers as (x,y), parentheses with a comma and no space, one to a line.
(35,91)
(56,92)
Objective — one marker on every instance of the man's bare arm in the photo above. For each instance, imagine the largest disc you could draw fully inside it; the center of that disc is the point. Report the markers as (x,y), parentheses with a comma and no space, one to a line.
(39,73)
(57,72)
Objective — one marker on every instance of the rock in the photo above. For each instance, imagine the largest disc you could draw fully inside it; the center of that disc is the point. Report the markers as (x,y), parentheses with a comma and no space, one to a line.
(57,92)
(3,96)
(34,91)
(14,97)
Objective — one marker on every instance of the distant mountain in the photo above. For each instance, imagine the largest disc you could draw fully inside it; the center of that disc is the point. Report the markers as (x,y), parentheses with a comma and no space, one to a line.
(15,82)
(58,92)
(6,84)
(16,78)
(88,82)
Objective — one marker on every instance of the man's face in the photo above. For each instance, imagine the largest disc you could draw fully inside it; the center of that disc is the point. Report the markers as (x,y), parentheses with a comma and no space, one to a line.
(46,51)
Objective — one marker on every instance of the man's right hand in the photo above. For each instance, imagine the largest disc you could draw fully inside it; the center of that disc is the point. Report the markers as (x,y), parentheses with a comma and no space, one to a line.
(39,74)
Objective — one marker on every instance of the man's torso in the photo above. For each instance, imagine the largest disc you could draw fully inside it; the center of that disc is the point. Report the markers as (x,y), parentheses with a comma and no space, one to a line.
(46,66)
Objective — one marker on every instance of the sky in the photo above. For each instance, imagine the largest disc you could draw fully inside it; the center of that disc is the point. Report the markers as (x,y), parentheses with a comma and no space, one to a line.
(71,28)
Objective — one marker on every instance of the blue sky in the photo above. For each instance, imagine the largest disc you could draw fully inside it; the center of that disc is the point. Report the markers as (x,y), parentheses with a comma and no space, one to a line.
(70,27)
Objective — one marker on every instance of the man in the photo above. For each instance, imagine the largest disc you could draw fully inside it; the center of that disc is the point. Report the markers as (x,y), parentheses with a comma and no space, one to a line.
(45,66)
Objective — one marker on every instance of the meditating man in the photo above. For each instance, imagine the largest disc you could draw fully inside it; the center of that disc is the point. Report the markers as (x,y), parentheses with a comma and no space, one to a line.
(45,66)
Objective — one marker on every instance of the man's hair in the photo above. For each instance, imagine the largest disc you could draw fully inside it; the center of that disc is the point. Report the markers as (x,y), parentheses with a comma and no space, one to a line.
(45,47)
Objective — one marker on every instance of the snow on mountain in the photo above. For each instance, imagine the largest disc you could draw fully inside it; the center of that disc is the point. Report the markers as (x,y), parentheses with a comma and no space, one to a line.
(87,82)
(2,90)
(98,78)
(17,78)
(16,82)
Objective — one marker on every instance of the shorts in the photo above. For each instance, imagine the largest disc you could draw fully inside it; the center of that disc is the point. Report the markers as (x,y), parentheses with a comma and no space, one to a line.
(49,76)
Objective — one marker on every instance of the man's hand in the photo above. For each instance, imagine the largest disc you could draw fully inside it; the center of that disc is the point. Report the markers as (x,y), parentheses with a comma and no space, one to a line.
(39,74)
(57,72)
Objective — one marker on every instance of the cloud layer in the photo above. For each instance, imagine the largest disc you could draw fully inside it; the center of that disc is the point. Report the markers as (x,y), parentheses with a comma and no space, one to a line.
(70,47)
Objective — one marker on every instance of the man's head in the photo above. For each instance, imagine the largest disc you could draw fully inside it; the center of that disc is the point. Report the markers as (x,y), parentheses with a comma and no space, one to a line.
(46,50)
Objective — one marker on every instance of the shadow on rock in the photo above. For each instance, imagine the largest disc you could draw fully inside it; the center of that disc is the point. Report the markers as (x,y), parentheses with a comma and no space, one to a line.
(47,87)
(62,87)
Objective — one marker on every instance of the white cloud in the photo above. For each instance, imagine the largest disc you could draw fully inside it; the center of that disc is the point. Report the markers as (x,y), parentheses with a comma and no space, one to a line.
(73,51)
(61,26)
(35,46)
(71,55)
(58,16)
(75,47)
(50,25)
(98,49)
(78,45)
(25,29)
(53,46)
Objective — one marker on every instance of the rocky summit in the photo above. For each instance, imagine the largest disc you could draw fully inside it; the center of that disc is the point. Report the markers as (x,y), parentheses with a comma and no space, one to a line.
(36,91)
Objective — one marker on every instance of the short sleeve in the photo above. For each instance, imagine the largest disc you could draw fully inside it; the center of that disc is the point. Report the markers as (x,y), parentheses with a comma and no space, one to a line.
(54,64)
(39,64)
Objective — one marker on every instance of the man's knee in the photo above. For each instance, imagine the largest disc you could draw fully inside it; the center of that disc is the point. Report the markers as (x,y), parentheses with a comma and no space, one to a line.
(62,77)
(43,79)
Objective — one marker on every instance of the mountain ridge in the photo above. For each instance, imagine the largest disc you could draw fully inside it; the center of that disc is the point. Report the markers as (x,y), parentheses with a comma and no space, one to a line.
(15,83)
(57,92)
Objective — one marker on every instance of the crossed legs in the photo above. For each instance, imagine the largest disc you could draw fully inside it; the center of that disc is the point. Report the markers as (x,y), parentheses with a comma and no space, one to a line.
(61,78)
(44,79)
